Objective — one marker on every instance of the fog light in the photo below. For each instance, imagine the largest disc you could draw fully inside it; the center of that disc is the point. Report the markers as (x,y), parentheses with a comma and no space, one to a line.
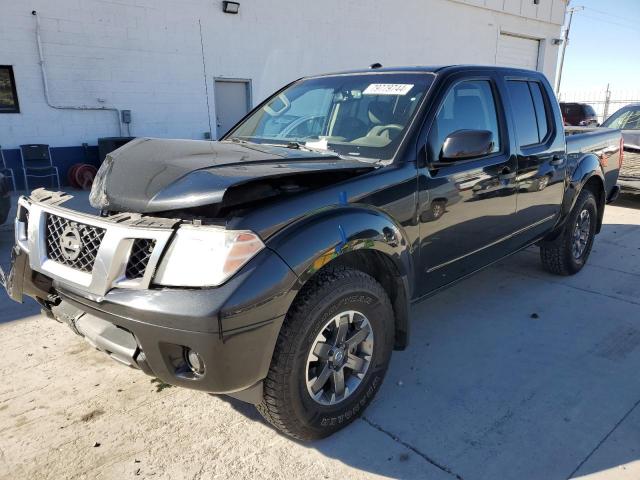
(195,362)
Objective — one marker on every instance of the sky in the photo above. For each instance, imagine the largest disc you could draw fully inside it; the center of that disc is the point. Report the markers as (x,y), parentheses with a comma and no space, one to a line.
(604,47)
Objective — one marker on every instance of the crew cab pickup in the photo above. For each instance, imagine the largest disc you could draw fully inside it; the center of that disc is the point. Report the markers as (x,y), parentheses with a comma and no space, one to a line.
(279,264)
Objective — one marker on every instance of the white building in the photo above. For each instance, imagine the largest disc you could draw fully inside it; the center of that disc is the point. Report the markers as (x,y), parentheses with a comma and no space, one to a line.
(169,61)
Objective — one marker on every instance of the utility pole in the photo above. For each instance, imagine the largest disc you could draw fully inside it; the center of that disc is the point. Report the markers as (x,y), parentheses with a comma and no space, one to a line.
(564,46)
(607,102)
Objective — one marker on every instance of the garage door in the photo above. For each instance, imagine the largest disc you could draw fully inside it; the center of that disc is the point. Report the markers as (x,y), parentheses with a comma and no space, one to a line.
(518,52)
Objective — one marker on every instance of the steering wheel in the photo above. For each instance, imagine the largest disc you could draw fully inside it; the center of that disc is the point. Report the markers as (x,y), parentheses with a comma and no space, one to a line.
(296,123)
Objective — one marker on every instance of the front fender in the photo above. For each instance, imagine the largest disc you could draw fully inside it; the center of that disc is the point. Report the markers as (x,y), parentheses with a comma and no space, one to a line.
(315,241)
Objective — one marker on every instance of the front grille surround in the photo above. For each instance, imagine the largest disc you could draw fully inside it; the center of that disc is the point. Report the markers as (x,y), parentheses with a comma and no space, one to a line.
(141,252)
(111,242)
(90,236)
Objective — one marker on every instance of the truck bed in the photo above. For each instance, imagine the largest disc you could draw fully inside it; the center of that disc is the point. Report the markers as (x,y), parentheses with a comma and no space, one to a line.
(602,142)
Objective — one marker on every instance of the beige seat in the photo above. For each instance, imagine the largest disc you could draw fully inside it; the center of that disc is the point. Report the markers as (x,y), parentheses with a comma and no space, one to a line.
(383,130)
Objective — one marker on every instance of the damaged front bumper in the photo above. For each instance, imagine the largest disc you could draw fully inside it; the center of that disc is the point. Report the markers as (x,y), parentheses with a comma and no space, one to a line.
(232,328)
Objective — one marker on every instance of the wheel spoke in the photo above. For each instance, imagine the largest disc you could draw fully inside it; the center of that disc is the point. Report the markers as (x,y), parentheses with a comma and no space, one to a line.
(320,381)
(343,326)
(581,234)
(321,350)
(355,363)
(358,337)
(338,382)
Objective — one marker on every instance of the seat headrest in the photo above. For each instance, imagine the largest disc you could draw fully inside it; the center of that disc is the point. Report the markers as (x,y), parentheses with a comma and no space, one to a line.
(470,109)
(380,113)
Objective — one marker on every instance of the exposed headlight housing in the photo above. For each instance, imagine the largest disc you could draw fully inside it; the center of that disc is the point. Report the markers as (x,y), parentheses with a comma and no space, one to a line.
(203,256)
(98,195)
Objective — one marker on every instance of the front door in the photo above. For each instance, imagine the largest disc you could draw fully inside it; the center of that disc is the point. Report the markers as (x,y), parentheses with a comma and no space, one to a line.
(466,207)
(232,102)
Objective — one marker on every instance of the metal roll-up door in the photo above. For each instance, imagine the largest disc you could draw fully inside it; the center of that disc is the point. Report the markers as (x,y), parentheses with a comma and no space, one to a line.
(520,52)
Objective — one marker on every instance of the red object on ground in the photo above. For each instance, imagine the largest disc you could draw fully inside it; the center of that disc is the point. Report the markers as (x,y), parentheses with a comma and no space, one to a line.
(81,175)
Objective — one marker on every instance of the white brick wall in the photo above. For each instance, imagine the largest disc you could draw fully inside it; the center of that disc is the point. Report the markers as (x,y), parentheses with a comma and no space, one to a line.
(145,55)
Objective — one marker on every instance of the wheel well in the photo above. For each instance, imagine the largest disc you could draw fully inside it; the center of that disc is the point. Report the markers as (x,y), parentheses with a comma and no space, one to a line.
(596,186)
(379,266)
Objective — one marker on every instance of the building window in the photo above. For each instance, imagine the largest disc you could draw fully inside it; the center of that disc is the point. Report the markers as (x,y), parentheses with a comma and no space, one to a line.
(8,93)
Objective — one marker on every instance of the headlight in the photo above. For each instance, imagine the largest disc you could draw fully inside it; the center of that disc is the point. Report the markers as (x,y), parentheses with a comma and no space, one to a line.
(201,256)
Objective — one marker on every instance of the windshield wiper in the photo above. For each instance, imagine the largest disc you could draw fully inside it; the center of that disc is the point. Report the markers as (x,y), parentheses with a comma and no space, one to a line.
(296,145)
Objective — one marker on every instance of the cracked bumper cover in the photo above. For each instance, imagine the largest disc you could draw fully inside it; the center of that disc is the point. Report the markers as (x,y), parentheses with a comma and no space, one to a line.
(233,327)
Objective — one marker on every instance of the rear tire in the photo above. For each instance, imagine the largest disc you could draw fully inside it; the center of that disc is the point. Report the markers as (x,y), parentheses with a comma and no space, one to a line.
(297,400)
(569,252)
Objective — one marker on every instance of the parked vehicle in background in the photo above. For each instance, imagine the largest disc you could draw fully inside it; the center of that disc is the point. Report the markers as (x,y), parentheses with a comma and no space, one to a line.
(5,198)
(279,265)
(578,114)
(627,119)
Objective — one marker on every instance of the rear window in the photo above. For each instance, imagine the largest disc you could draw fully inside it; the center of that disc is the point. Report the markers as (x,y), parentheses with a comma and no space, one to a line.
(571,109)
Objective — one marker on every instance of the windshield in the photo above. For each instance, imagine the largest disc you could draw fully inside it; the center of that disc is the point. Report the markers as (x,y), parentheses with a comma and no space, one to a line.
(625,119)
(357,115)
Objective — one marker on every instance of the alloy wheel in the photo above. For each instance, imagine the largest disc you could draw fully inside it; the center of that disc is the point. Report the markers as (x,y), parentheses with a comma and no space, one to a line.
(339,358)
(581,234)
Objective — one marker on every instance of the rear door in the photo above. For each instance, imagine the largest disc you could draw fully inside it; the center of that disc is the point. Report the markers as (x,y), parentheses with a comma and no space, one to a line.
(465,207)
(540,150)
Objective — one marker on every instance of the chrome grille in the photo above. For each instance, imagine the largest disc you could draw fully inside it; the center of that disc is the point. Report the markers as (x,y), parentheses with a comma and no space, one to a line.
(90,240)
(139,258)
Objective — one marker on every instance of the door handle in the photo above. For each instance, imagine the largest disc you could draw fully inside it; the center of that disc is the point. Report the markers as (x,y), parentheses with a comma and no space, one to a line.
(557,160)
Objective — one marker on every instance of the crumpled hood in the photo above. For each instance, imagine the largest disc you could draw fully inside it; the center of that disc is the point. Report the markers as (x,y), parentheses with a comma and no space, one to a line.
(153,175)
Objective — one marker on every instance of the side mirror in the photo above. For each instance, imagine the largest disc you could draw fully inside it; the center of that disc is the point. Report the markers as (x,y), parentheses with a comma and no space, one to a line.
(465,144)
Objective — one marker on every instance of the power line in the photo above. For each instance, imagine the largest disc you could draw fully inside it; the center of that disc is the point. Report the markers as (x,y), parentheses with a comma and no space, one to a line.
(610,22)
(635,20)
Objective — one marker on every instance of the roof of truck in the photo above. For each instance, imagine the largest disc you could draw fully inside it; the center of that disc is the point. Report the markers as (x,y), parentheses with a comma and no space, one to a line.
(428,69)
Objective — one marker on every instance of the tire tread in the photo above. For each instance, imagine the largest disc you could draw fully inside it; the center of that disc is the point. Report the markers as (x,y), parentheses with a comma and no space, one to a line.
(274,407)
(555,254)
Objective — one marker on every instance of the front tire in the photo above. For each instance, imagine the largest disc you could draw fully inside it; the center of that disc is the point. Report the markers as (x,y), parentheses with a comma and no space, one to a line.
(569,252)
(331,355)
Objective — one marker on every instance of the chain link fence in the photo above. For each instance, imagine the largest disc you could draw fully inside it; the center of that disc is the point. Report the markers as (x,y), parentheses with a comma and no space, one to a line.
(605,102)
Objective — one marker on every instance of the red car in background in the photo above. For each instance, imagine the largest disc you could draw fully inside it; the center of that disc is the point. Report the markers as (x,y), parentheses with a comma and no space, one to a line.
(578,114)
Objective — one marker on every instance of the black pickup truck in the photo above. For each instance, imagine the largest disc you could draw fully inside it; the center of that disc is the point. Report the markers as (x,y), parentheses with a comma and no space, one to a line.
(279,265)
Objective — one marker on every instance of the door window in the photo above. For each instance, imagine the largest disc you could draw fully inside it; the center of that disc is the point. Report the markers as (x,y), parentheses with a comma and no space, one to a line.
(541,110)
(469,105)
(524,112)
